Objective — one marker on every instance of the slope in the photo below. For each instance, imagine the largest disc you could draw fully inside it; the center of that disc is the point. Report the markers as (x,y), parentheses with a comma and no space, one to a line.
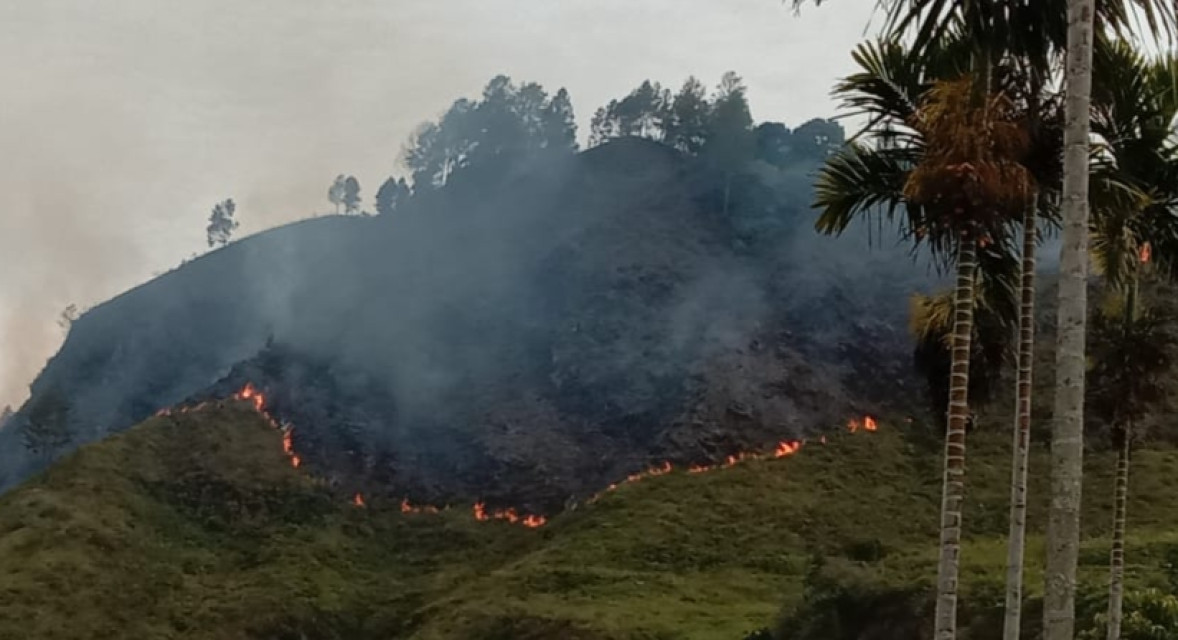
(510,322)
(195,525)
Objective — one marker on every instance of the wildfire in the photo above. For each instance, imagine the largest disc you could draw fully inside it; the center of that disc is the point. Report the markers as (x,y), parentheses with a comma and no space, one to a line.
(867,424)
(408,507)
(784,449)
(531,521)
(1146,252)
(252,395)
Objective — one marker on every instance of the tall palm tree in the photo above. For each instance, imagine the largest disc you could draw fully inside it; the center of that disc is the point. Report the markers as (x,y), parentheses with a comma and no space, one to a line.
(1067,434)
(1037,31)
(971,178)
(1044,122)
(1136,108)
(950,160)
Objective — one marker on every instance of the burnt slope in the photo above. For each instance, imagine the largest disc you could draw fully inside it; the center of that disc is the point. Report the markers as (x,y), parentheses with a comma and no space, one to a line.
(525,335)
(195,526)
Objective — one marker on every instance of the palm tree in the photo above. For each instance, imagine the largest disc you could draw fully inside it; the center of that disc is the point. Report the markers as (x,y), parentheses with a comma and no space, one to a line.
(1036,32)
(950,161)
(1132,350)
(1136,107)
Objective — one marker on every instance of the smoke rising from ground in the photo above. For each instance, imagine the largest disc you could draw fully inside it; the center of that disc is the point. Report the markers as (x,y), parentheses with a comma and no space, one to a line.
(125,121)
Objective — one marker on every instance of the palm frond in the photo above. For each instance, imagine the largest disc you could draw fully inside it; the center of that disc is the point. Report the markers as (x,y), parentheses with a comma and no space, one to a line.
(931,321)
(861,181)
(1128,361)
(971,175)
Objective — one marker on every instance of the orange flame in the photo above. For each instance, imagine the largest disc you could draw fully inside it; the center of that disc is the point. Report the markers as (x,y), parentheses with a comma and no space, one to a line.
(1146,252)
(510,515)
(867,424)
(784,449)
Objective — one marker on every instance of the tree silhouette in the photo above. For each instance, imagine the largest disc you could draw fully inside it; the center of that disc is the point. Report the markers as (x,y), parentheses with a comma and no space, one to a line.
(221,223)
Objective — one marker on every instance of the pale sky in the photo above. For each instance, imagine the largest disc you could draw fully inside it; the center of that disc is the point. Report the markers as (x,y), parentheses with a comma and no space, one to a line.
(122,122)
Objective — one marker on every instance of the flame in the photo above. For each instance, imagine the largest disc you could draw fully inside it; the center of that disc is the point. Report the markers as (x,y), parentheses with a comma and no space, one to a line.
(248,392)
(1146,252)
(867,424)
(787,448)
(784,449)
(510,515)
(408,507)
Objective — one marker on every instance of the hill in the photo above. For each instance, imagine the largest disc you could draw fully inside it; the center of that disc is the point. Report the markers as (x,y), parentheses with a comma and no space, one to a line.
(196,525)
(480,342)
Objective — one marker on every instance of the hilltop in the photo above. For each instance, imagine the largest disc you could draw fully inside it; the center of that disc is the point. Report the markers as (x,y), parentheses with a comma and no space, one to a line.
(196,525)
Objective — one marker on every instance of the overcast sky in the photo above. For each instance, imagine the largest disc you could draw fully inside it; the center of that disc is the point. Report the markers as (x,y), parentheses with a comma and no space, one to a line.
(123,121)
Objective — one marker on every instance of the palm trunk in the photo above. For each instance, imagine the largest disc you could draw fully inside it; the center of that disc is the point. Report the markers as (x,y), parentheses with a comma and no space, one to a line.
(953,484)
(1067,434)
(1116,583)
(1016,548)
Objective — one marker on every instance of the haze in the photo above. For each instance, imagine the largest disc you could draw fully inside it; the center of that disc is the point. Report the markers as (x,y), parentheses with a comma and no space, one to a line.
(124,121)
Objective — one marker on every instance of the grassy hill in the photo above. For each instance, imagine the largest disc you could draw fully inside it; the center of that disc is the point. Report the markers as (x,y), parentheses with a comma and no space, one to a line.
(197,526)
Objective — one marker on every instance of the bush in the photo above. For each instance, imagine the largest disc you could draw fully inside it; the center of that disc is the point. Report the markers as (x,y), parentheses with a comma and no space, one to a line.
(1148,615)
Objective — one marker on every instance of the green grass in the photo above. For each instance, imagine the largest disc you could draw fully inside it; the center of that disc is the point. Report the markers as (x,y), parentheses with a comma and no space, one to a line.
(197,527)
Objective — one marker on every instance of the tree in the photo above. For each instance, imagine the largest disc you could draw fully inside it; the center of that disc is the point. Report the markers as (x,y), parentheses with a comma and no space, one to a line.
(5,415)
(221,223)
(559,125)
(1134,112)
(1045,131)
(508,124)
(687,124)
(391,196)
(351,196)
(940,156)
(47,428)
(1036,33)
(730,142)
(1132,351)
(969,176)
(68,316)
(818,138)
(774,143)
(1067,432)
(337,191)
(644,113)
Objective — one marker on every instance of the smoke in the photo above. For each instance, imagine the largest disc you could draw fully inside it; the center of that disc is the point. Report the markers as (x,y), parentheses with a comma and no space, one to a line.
(125,122)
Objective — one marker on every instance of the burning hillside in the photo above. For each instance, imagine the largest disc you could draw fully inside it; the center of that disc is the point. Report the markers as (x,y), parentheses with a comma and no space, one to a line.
(256,399)
(603,322)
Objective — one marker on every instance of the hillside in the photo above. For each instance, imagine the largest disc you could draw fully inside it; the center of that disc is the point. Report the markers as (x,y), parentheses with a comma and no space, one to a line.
(482,342)
(196,525)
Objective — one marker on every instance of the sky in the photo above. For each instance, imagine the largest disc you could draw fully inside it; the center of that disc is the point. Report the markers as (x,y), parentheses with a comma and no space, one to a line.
(124,121)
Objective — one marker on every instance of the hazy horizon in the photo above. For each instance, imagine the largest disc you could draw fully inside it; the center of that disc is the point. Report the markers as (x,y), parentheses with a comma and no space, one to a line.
(125,124)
